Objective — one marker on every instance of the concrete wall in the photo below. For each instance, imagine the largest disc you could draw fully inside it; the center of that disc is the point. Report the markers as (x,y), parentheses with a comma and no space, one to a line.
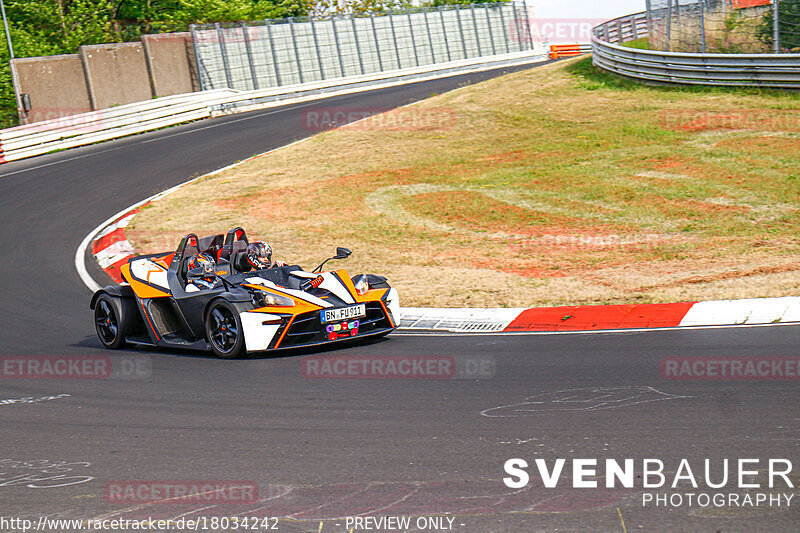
(105,75)
(170,59)
(116,73)
(56,86)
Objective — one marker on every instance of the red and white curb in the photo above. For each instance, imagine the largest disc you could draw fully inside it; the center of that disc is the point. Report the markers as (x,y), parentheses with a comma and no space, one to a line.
(756,311)
(111,249)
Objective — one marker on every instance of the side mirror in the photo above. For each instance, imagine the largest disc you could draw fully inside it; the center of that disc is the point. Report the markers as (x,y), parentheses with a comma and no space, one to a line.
(342,253)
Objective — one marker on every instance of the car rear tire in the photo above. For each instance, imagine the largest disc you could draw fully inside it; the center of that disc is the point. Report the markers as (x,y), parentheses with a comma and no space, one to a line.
(112,320)
(224,330)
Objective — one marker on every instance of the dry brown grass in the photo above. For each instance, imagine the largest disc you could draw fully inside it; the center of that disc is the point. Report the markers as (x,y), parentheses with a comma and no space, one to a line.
(541,189)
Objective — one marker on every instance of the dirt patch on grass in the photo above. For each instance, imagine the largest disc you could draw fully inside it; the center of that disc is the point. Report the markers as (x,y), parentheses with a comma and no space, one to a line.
(478,212)
(773,146)
(540,189)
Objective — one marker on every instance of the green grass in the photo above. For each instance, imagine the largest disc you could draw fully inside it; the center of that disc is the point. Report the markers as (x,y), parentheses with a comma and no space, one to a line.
(593,78)
(642,44)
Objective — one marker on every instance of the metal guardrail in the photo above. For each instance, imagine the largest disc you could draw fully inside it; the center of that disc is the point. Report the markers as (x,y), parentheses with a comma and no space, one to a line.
(40,138)
(745,70)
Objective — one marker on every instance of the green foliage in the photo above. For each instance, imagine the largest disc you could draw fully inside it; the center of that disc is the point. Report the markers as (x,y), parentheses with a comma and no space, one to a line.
(46,27)
(788,26)
(62,25)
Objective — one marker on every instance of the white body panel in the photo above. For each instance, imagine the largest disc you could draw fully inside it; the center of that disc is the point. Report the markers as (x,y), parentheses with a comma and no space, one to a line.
(393,303)
(150,272)
(257,336)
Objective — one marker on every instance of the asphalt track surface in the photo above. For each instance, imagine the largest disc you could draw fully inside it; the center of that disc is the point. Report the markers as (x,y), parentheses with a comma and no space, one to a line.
(320,449)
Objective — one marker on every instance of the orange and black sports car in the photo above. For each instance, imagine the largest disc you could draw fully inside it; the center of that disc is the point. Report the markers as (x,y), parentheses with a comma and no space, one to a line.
(242,310)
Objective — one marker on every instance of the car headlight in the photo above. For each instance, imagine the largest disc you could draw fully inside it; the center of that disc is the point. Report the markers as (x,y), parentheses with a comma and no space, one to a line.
(361,283)
(269,299)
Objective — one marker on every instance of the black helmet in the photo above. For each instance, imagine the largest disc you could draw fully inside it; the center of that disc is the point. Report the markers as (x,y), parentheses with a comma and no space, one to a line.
(259,254)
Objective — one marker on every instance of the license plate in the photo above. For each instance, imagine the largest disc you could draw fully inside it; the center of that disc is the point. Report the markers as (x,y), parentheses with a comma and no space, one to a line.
(344,313)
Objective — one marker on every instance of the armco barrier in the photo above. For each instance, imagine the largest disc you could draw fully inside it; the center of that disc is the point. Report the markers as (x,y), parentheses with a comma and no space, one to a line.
(77,130)
(745,70)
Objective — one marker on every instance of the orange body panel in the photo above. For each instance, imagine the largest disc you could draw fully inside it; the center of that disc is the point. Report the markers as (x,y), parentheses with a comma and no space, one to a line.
(300,306)
(142,290)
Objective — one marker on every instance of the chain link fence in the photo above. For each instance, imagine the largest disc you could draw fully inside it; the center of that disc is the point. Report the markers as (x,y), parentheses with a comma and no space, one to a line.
(272,53)
(724,26)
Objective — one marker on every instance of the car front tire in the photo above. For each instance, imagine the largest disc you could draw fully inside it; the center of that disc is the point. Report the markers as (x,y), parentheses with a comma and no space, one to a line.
(224,330)
(112,320)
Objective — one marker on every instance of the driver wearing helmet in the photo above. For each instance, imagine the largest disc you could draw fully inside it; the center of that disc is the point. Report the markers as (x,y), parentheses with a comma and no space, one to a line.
(209,278)
(259,256)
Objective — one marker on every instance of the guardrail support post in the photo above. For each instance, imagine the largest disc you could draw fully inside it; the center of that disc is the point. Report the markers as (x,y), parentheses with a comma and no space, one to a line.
(394,38)
(444,33)
(246,39)
(516,26)
(702,23)
(296,50)
(776,30)
(198,62)
(505,28)
(475,29)
(355,38)
(489,25)
(316,47)
(377,44)
(338,46)
(274,54)
(461,31)
(527,26)
(430,38)
(413,39)
(667,46)
(225,66)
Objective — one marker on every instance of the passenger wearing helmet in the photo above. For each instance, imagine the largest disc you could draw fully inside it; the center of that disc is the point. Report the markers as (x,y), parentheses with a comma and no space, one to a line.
(259,256)
(209,278)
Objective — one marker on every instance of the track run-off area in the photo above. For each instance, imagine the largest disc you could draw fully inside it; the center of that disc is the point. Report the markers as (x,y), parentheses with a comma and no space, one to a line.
(313,439)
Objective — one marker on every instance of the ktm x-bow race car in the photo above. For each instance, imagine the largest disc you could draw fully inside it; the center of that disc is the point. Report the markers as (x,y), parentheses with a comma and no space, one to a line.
(243,310)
